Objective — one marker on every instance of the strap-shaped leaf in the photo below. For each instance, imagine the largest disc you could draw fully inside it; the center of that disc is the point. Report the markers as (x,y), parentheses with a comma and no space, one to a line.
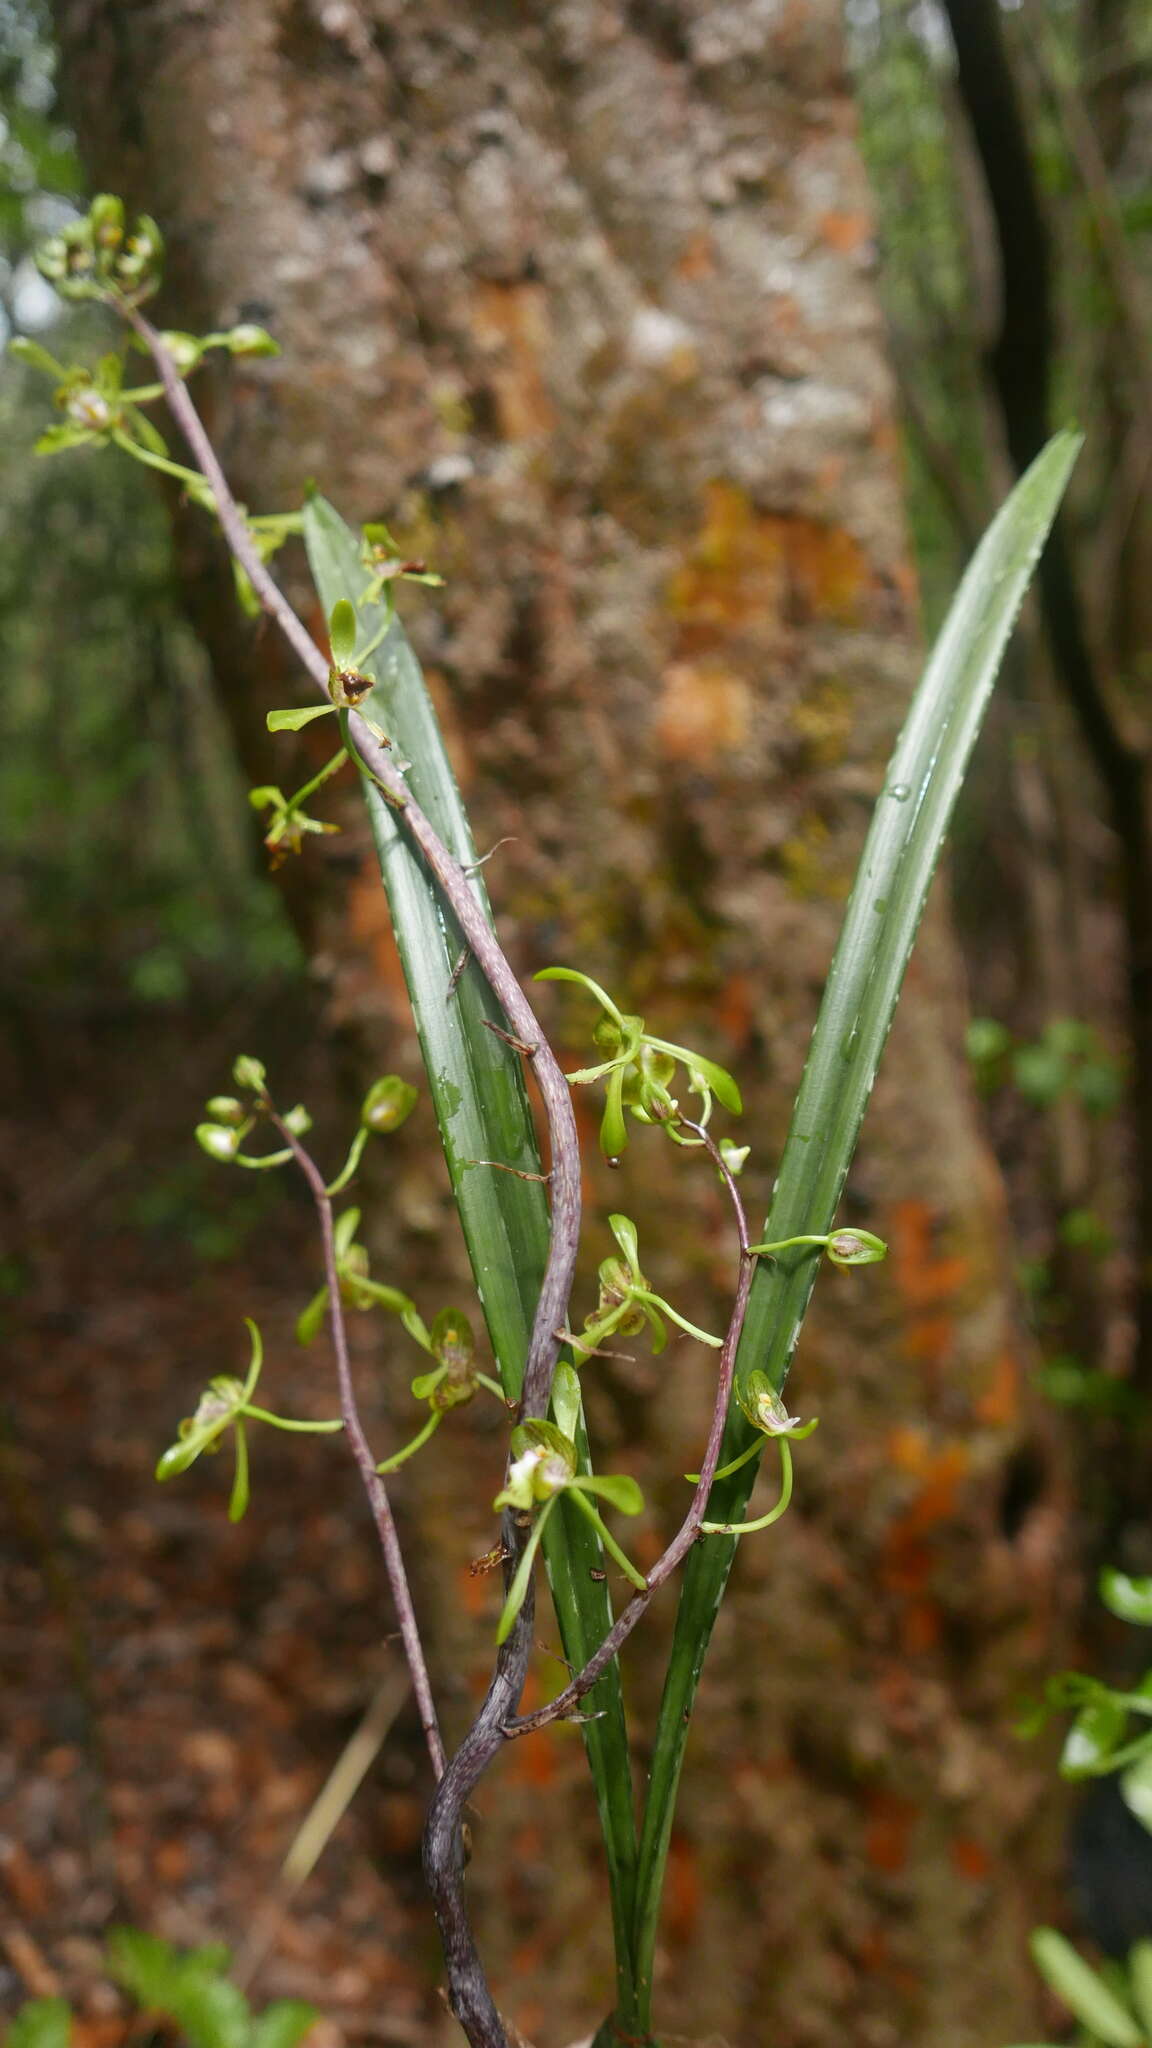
(482,1109)
(899,859)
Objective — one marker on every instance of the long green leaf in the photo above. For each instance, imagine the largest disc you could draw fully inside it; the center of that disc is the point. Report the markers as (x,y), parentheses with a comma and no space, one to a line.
(883,914)
(482,1109)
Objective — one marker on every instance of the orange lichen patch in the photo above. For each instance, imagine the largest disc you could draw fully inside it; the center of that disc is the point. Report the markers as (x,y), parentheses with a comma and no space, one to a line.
(929,1338)
(748,567)
(455,741)
(735,569)
(924,1276)
(733,1010)
(681,1890)
(704,710)
(844,231)
(999,1404)
(907,1558)
(698,258)
(888,1833)
(970,1859)
(941,1473)
(371,927)
(926,1280)
(829,568)
(907,1448)
(511,322)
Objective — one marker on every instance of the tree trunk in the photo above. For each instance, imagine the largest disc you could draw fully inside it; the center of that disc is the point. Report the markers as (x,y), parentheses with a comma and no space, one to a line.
(579,298)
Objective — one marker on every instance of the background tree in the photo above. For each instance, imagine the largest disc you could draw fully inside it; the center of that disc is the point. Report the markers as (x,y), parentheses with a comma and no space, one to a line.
(580,299)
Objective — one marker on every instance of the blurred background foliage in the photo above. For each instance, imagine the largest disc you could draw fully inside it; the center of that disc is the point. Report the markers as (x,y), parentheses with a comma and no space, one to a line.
(1009,144)
(129,862)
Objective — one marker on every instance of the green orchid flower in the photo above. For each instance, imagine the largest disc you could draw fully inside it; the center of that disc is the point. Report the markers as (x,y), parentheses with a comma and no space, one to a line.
(380,553)
(226,1403)
(627,1304)
(454,1380)
(348,684)
(766,1411)
(289,823)
(358,1290)
(639,1071)
(543,1466)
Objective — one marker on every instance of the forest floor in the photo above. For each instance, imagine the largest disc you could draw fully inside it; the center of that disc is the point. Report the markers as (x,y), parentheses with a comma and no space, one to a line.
(177,1689)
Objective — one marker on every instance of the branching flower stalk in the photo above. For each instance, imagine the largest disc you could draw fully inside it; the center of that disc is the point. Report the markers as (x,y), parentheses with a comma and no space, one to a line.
(373,1484)
(443,1842)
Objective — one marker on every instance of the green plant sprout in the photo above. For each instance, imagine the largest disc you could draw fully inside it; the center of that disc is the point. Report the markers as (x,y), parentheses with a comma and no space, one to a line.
(476,1027)
(1114,2008)
(189,1987)
(227,1403)
(1069,1061)
(1114,2005)
(639,1069)
(1099,1741)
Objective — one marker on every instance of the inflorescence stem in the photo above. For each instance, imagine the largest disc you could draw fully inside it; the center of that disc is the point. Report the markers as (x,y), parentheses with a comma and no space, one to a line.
(443,1847)
(374,1486)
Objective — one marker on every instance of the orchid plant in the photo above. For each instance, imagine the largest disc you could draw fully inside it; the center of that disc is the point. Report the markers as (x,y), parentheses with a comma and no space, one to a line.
(522,1226)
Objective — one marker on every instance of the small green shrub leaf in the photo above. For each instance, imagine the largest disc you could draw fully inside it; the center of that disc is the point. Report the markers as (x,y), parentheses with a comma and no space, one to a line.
(1136,1786)
(1140,1981)
(283,2025)
(1083,1991)
(1130,1599)
(44,2023)
(1091,1739)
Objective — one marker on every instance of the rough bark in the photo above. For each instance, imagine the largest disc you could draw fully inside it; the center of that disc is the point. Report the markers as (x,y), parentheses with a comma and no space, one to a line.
(578,297)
